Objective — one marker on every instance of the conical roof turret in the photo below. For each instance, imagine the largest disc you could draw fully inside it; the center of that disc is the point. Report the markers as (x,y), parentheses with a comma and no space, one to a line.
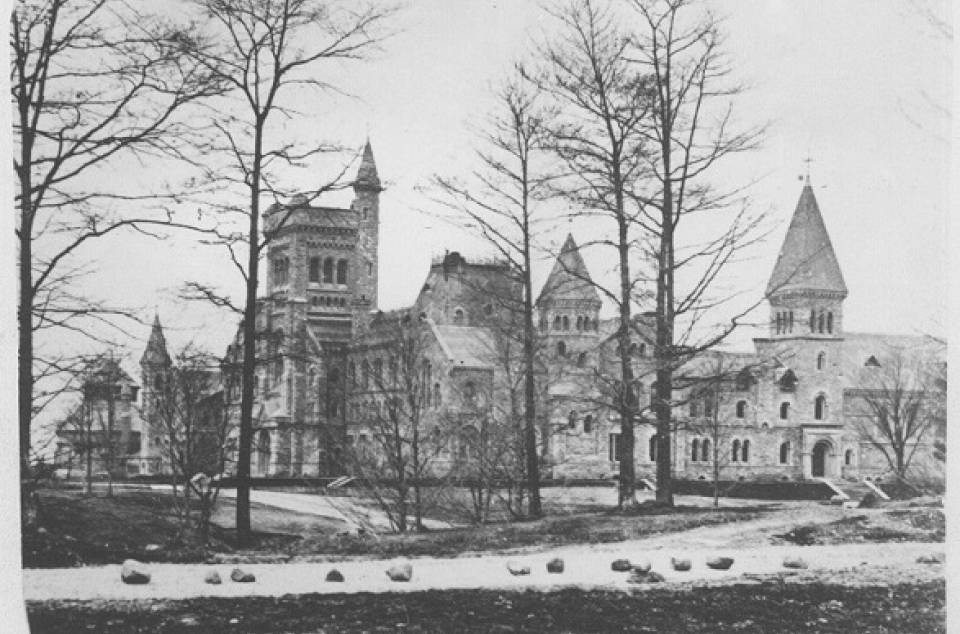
(807,261)
(367,177)
(156,352)
(569,279)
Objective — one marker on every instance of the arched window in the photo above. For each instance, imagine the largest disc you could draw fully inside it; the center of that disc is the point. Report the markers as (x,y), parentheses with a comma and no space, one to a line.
(469,392)
(281,268)
(572,420)
(437,398)
(695,450)
(643,349)
(588,424)
(779,324)
(744,380)
(790,322)
(581,359)
(821,361)
(735,451)
(314,269)
(378,371)
(365,368)
(813,320)
(579,322)
(705,450)
(820,407)
(741,409)
(352,373)
(784,452)
(829,322)
(586,323)
(566,323)
(784,410)
(653,447)
(458,316)
(342,272)
(263,451)
(557,322)
(394,370)
(708,404)
(328,271)
(633,349)
(561,349)
(848,457)
(820,322)
(694,408)
(745,451)
(788,382)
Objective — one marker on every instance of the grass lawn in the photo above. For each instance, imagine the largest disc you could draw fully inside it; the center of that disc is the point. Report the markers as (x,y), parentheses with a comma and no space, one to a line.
(782,608)
(78,530)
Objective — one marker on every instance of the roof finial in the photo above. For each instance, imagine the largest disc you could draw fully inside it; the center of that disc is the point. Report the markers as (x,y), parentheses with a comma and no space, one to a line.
(808,160)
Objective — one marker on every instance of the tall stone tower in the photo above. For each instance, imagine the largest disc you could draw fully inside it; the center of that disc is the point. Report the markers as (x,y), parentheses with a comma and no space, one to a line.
(806,289)
(366,204)
(569,304)
(154,364)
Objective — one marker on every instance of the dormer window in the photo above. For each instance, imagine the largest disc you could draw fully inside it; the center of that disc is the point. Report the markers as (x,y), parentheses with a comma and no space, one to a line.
(872,362)
(788,382)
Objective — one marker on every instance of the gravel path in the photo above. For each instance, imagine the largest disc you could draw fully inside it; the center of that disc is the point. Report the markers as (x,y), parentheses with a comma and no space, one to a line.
(587,566)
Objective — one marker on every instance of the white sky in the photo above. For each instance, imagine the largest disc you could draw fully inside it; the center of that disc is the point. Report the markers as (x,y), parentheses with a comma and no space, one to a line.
(844,81)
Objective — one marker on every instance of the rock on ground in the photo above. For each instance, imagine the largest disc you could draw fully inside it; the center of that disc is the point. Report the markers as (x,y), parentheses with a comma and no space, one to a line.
(555,565)
(935,558)
(643,566)
(681,565)
(621,565)
(516,568)
(334,575)
(400,572)
(720,563)
(240,576)
(645,577)
(134,572)
(794,562)
(212,577)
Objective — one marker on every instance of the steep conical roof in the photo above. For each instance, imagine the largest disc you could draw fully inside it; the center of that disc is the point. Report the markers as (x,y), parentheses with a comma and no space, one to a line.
(806,261)
(156,352)
(367,176)
(569,278)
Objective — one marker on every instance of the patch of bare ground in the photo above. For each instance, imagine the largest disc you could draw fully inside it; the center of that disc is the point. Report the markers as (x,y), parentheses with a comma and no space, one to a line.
(787,608)
(898,524)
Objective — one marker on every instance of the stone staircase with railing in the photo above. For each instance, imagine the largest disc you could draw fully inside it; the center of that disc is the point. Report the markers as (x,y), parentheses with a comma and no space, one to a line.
(853,490)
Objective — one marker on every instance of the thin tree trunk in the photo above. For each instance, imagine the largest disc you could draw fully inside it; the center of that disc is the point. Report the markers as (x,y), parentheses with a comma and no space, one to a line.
(530,418)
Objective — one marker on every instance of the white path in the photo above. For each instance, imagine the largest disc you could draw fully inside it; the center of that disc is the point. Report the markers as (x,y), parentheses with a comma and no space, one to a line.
(587,566)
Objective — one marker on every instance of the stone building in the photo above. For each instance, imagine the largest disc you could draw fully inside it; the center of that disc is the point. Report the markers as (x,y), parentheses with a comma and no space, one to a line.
(330,362)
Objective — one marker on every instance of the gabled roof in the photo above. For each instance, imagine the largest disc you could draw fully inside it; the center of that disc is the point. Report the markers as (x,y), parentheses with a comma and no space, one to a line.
(807,261)
(467,346)
(569,278)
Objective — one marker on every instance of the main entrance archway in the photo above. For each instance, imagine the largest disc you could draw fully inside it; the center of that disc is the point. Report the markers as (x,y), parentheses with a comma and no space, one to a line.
(821,451)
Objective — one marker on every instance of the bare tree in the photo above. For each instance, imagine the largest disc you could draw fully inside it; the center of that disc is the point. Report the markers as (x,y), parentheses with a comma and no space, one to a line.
(498,199)
(689,130)
(601,103)
(186,409)
(896,407)
(397,432)
(265,50)
(93,83)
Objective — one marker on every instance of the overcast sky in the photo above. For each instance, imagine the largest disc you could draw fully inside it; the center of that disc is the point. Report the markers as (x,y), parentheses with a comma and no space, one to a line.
(854,84)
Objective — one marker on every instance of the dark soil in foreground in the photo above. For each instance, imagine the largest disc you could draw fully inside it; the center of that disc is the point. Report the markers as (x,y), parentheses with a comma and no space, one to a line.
(773,607)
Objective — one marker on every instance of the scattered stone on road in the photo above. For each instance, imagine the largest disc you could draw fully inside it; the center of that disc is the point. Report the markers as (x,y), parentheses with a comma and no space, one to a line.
(621,565)
(516,568)
(555,566)
(400,572)
(681,565)
(152,548)
(240,576)
(134,572)
(643,566)
(637,576)
(720,563)
(794,562)
(935,558)
(334,575)
(213,577)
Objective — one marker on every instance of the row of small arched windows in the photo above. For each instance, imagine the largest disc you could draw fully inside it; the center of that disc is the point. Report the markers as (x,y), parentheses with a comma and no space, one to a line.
(325,270)
(572,419)
(563,322)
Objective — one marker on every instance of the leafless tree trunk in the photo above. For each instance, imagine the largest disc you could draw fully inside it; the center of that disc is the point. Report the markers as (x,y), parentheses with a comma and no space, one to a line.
(498,200)
(263,50)
(93,83)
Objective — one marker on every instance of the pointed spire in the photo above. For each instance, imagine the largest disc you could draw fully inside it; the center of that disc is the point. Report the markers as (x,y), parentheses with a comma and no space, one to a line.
(156,352)
(367,177)
(569,278)
(807,261)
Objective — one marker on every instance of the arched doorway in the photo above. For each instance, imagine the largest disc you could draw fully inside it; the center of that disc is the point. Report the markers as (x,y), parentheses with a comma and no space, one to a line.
(821,451)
